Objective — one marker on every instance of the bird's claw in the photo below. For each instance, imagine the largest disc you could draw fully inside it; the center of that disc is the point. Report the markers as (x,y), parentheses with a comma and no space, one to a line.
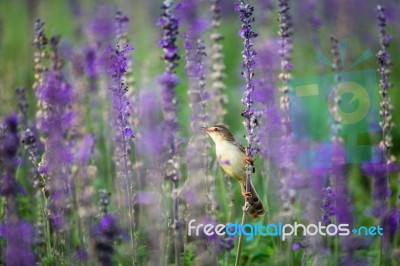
(247,195)
(249,160)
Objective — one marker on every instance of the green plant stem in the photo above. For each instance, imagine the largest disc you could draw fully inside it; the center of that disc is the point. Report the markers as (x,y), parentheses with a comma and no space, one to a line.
(240,243)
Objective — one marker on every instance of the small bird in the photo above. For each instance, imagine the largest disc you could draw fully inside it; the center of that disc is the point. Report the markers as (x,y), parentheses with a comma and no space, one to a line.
(232,158)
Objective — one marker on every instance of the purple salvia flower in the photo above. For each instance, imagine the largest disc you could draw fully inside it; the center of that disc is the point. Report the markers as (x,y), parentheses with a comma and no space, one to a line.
(120,102)
(29,139)
(285,51)
(104,201)
(54,122)
(150,167)
(18,234)
(267,64)
(9,146)
(315,23)
(123,133)
(286,169)
(387,162)
(219,98)
(168,81)
(19,239)
(381,191)
(250,122)
(101,28)
(196,73)
(343,206)
(85,175)
(121,25)
(198,186)
(104,233)
(384,62)
(328,205)
(40,41)
(390,221)
(188,12)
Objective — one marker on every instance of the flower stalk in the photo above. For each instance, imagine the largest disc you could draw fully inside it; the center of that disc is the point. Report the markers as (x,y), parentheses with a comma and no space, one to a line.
(168,81)
(250,120)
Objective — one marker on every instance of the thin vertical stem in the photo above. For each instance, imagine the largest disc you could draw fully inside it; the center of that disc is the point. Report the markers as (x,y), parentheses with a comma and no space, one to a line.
(240,243)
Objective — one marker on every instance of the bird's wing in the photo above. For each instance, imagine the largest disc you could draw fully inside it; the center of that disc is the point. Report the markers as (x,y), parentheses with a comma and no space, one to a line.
(240,146)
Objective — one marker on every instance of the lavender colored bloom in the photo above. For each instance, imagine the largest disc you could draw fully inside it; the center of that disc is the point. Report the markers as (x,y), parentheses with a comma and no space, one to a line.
(151,134)
(219,99)
(105,233)
(40,42)
(187,12)
(390,221)
(104,201)
(19,238)
(121,104)
(287,150)
(285,51)
(251,123)
(315,23)
(381,171)
(54,121)
(328,205)
(121,22)
(90,62)
(169,24)
(380,192)
(264,95)
(101,27)
(197,155)
(9,145)
(384,63)
(168,81)
(196,72)
(297,246)
(29,139)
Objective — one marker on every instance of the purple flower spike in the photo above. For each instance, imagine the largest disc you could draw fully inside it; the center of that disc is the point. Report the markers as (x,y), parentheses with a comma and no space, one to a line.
(19,237)
(251,123)
(105,233)
(328,205)
(55,119)
(9,145)
(384,63)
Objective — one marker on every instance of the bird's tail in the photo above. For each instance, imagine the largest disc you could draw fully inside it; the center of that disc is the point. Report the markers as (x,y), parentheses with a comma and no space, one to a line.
(256,208)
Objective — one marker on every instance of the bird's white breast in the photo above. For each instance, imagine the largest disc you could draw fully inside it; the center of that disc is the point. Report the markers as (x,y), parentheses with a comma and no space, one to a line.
(231,159)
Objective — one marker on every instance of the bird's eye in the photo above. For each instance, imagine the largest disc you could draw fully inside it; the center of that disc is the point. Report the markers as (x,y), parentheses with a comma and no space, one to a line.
(216,129)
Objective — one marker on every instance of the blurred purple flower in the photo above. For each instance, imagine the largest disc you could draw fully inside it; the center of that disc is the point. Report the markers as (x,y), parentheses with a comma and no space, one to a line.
(9,145)
(379,172)
(105,232)
(187,13)
(217,95)
(101,27)
(55,120)
(144,198)
(297,246)
(19,237)
(328,205)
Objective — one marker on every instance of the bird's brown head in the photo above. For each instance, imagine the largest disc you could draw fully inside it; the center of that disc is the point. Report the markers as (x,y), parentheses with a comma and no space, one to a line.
(219,133)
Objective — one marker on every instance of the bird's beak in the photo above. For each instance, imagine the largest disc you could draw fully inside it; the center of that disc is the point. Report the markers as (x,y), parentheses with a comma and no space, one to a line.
(205,129)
